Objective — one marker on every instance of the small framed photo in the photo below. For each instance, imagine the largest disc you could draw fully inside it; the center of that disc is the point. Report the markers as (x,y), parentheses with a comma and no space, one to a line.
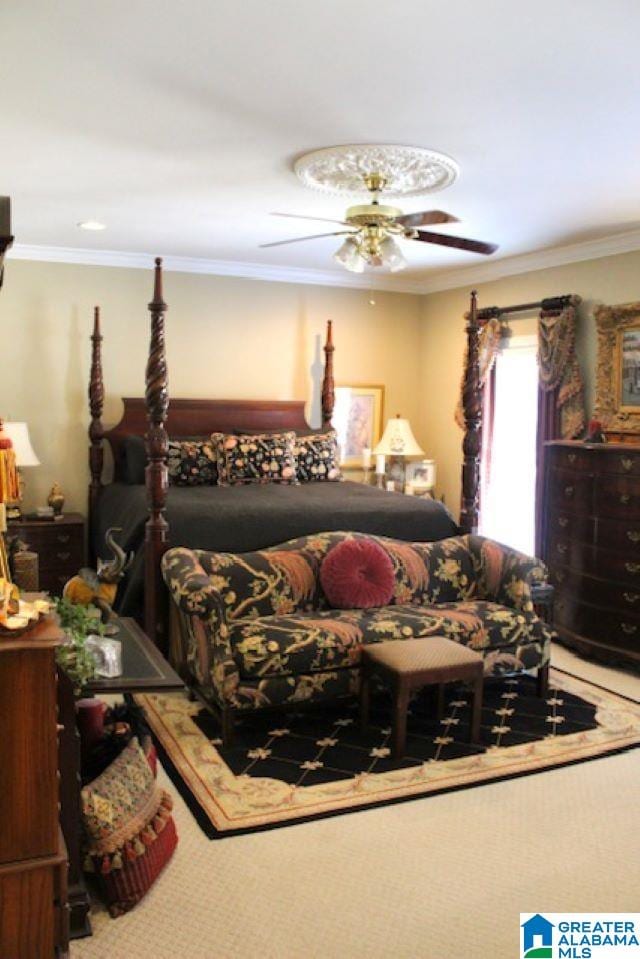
(357,419)
(421,476)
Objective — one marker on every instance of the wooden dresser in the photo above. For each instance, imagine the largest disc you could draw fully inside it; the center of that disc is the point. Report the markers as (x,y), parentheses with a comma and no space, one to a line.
(591,543)
(59,545)
(33,859)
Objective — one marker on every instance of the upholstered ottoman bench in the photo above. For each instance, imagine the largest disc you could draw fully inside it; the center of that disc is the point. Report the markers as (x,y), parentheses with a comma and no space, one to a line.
(413,664)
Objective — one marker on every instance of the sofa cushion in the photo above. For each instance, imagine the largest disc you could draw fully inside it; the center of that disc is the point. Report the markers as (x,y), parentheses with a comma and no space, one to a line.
(357,574)
(329,639)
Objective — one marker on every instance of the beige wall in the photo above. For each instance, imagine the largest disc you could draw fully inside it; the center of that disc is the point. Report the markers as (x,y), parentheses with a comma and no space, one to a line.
(226,338)
(609,280)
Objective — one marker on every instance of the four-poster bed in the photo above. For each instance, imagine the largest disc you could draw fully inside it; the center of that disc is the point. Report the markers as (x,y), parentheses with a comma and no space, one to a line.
(237,518)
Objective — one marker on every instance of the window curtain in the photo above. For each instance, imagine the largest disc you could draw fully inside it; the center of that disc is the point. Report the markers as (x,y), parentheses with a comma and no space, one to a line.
(560,391)
(489,345)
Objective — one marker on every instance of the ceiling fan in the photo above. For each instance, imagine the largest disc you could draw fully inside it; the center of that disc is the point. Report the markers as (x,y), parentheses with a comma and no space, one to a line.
(374,226)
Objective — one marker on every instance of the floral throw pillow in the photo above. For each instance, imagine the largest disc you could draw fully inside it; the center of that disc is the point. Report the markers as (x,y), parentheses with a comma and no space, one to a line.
(317,457)
(259,458)
(192,463)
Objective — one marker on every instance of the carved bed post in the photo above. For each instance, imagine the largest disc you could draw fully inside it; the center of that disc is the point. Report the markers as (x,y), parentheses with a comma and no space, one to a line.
(96,429)
(157,528)
(328,386)
(472,407)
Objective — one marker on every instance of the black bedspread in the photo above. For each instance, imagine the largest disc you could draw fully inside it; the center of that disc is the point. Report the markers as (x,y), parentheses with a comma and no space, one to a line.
(243,518)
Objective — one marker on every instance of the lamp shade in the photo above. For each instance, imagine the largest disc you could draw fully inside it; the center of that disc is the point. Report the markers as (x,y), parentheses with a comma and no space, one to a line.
(398,439)
(18,433)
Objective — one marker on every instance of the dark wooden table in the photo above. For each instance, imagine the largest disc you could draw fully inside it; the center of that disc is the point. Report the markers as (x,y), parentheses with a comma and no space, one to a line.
(144,669)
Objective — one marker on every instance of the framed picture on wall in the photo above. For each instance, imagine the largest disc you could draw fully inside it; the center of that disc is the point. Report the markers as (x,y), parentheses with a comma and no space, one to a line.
(617,403)
(629,369)
(357,419)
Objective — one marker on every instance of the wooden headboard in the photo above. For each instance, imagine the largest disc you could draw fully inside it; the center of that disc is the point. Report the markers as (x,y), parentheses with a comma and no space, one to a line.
(196,417)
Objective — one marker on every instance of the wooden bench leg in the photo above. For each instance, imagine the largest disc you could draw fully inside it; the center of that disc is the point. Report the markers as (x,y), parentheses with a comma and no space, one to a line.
(476,709)
(542,680)
(226,723)
(365,698)
(400,721)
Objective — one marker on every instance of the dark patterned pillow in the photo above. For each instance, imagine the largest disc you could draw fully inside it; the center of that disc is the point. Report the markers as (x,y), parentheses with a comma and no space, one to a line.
(192,463)
(259,458)
(317,457)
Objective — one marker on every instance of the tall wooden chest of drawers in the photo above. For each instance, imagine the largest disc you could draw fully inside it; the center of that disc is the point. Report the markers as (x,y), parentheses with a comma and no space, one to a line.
(591,543)
(33,856)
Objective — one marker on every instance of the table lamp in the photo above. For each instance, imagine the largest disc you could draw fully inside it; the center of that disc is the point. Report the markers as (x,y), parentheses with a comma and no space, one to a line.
(398,442)
(25,456)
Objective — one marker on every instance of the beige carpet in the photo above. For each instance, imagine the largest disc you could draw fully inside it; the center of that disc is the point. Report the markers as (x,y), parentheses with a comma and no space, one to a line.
(437,878)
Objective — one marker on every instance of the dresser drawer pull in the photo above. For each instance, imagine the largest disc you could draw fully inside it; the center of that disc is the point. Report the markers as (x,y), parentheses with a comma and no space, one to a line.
(562,548)
(63,556)
(569,491)
(628,629)
(632,567)
(560,576)
(62,538)
(572,457)
(626,463)
(625,499)
(631,597)
(563,521)
(633,535)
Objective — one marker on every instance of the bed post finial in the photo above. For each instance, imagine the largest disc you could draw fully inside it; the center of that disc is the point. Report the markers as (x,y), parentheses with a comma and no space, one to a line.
(472,408)
(328,386)
(96,429)
(157,402)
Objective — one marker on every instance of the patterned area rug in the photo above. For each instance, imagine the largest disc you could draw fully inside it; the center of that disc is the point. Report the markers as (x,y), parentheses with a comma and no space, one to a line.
(305,765)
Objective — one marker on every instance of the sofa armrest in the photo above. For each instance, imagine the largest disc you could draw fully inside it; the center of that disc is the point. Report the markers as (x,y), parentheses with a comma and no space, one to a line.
(505,575)
(194,594)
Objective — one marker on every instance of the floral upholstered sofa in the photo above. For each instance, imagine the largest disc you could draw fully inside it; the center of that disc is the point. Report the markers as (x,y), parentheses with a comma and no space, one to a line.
(257,630)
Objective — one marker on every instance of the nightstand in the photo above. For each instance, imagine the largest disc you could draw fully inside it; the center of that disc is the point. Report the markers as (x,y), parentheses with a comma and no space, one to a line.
(59,544)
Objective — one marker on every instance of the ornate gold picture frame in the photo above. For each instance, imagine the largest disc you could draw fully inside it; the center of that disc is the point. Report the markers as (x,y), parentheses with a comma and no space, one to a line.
(617,403)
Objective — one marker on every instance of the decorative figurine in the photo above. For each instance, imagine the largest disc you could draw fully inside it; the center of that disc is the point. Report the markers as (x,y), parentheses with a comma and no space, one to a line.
(56,499)
(594,432)
(99,587)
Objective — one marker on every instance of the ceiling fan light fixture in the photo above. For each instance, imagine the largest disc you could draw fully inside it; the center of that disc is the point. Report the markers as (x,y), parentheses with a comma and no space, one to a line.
(391,254)
(348,256)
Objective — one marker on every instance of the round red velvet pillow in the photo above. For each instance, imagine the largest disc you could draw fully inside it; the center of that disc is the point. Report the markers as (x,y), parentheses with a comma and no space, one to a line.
(357,574)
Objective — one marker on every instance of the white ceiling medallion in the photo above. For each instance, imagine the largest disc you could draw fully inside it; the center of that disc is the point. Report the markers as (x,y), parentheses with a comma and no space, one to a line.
(407,171)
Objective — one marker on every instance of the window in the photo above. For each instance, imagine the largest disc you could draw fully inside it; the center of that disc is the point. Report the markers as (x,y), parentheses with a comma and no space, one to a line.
(509,465)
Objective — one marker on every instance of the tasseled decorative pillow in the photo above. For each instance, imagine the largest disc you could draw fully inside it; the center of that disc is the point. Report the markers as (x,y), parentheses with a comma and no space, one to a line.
(317,457)
(129,829)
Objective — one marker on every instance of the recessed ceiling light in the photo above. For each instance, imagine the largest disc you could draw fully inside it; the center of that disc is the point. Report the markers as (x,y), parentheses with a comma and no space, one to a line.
(92,225)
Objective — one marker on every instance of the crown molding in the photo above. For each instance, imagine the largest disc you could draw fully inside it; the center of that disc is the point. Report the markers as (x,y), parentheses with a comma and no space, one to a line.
(183,264)
(384,282)
(528,262)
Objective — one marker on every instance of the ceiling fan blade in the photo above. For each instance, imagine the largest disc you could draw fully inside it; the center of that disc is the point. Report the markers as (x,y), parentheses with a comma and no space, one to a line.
(426,217)
(299,239)
(459,242)
(320,219)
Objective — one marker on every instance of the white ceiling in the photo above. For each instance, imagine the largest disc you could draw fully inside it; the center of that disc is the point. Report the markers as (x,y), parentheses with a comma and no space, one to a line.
(177,123)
